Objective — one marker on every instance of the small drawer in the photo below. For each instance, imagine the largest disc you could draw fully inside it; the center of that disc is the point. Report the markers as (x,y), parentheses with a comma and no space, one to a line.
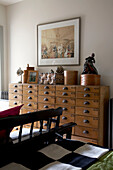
(30,105)
(46,93)
(67,101)
(86,132)
(47,99)
(87,103)
(47,87)
(86,121)
(87,95)
(87,111)
(14,103)
(30,98)
(67,109)
(65,88)
(16,91)
(42,106)
(15,86)
(15,97)
(66,118)
(65,94)
(30,92)
(94,89)
(86,140)
(30,86)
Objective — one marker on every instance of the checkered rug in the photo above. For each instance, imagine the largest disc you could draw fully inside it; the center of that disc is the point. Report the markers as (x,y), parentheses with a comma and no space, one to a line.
(63,155)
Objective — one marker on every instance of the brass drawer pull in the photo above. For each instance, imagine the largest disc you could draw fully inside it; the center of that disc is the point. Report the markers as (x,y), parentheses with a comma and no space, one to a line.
(29,97)
(30,86)
(86,121)
(15,103)
(87,95)
(29,91)
(46,87)
(64,109)
(86,103)
(29,104)
(15,91)
(65,88)
(85,132)
(86,111)
(15,97)
(64,101)
(64,94)
(86,89)
(45,99)
(15,85)
(46,92)
(45,106)
(64,118)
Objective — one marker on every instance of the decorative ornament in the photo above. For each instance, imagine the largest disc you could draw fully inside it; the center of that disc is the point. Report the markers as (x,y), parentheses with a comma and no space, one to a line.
(19,73)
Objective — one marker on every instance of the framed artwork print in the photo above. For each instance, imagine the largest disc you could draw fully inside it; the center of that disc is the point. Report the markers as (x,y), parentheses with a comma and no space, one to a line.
(59,43)
(32,77)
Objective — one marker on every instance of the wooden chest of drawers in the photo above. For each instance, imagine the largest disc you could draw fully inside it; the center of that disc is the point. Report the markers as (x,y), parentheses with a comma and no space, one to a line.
(85,105)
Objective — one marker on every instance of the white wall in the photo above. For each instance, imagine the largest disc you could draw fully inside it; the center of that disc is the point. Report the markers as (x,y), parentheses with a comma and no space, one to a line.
(96,32)
(5,70)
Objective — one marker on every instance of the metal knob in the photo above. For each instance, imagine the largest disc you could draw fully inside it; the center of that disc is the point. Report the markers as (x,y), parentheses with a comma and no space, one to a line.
(46,92)
(86,89)
(45,99)
(64,94)
(15,97)
(45,106)
(46,87)
(86,111)
(15,103)
(30,97)
(45,124)
(86,121)
(29,104)
(64,118)
(65,88)
(64,109)
(87,95)
(15,91)
(64,101)
(15,85)
(29,91)
(86,103)
(30,86)
(85,132)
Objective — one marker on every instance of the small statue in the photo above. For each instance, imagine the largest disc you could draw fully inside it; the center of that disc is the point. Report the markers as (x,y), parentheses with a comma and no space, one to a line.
(59,69)
(19,73)
(89,68)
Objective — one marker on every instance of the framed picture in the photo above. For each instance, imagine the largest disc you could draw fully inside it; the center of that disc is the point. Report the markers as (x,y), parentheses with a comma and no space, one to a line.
(59,43)
(32,76)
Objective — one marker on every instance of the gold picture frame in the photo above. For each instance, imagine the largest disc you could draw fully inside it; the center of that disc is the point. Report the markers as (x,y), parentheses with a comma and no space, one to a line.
(32,77)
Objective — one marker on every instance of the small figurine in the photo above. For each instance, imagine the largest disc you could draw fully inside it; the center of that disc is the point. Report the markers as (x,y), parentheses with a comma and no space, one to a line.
(59,69)
(89,68)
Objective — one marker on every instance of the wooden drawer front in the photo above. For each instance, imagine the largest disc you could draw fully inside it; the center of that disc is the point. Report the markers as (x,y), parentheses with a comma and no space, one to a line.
(30,105)
(30,98)
(67,101)
(47,99)
(65,88)
(86,132)
(47,87)
(15,97)
(67,109)
(66,118)
(30,92)
(65,94)
(16,91)
(28,111)
(14,103)
(86,121)
(94,89)
(15,86)
(46,93)
(42,106)
(30,87)
(87,111)
(84,139)
(87,103)
(87,95)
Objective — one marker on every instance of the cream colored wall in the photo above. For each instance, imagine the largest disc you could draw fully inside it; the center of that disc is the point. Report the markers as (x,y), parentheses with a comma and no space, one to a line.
(96,32)
(3,23)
